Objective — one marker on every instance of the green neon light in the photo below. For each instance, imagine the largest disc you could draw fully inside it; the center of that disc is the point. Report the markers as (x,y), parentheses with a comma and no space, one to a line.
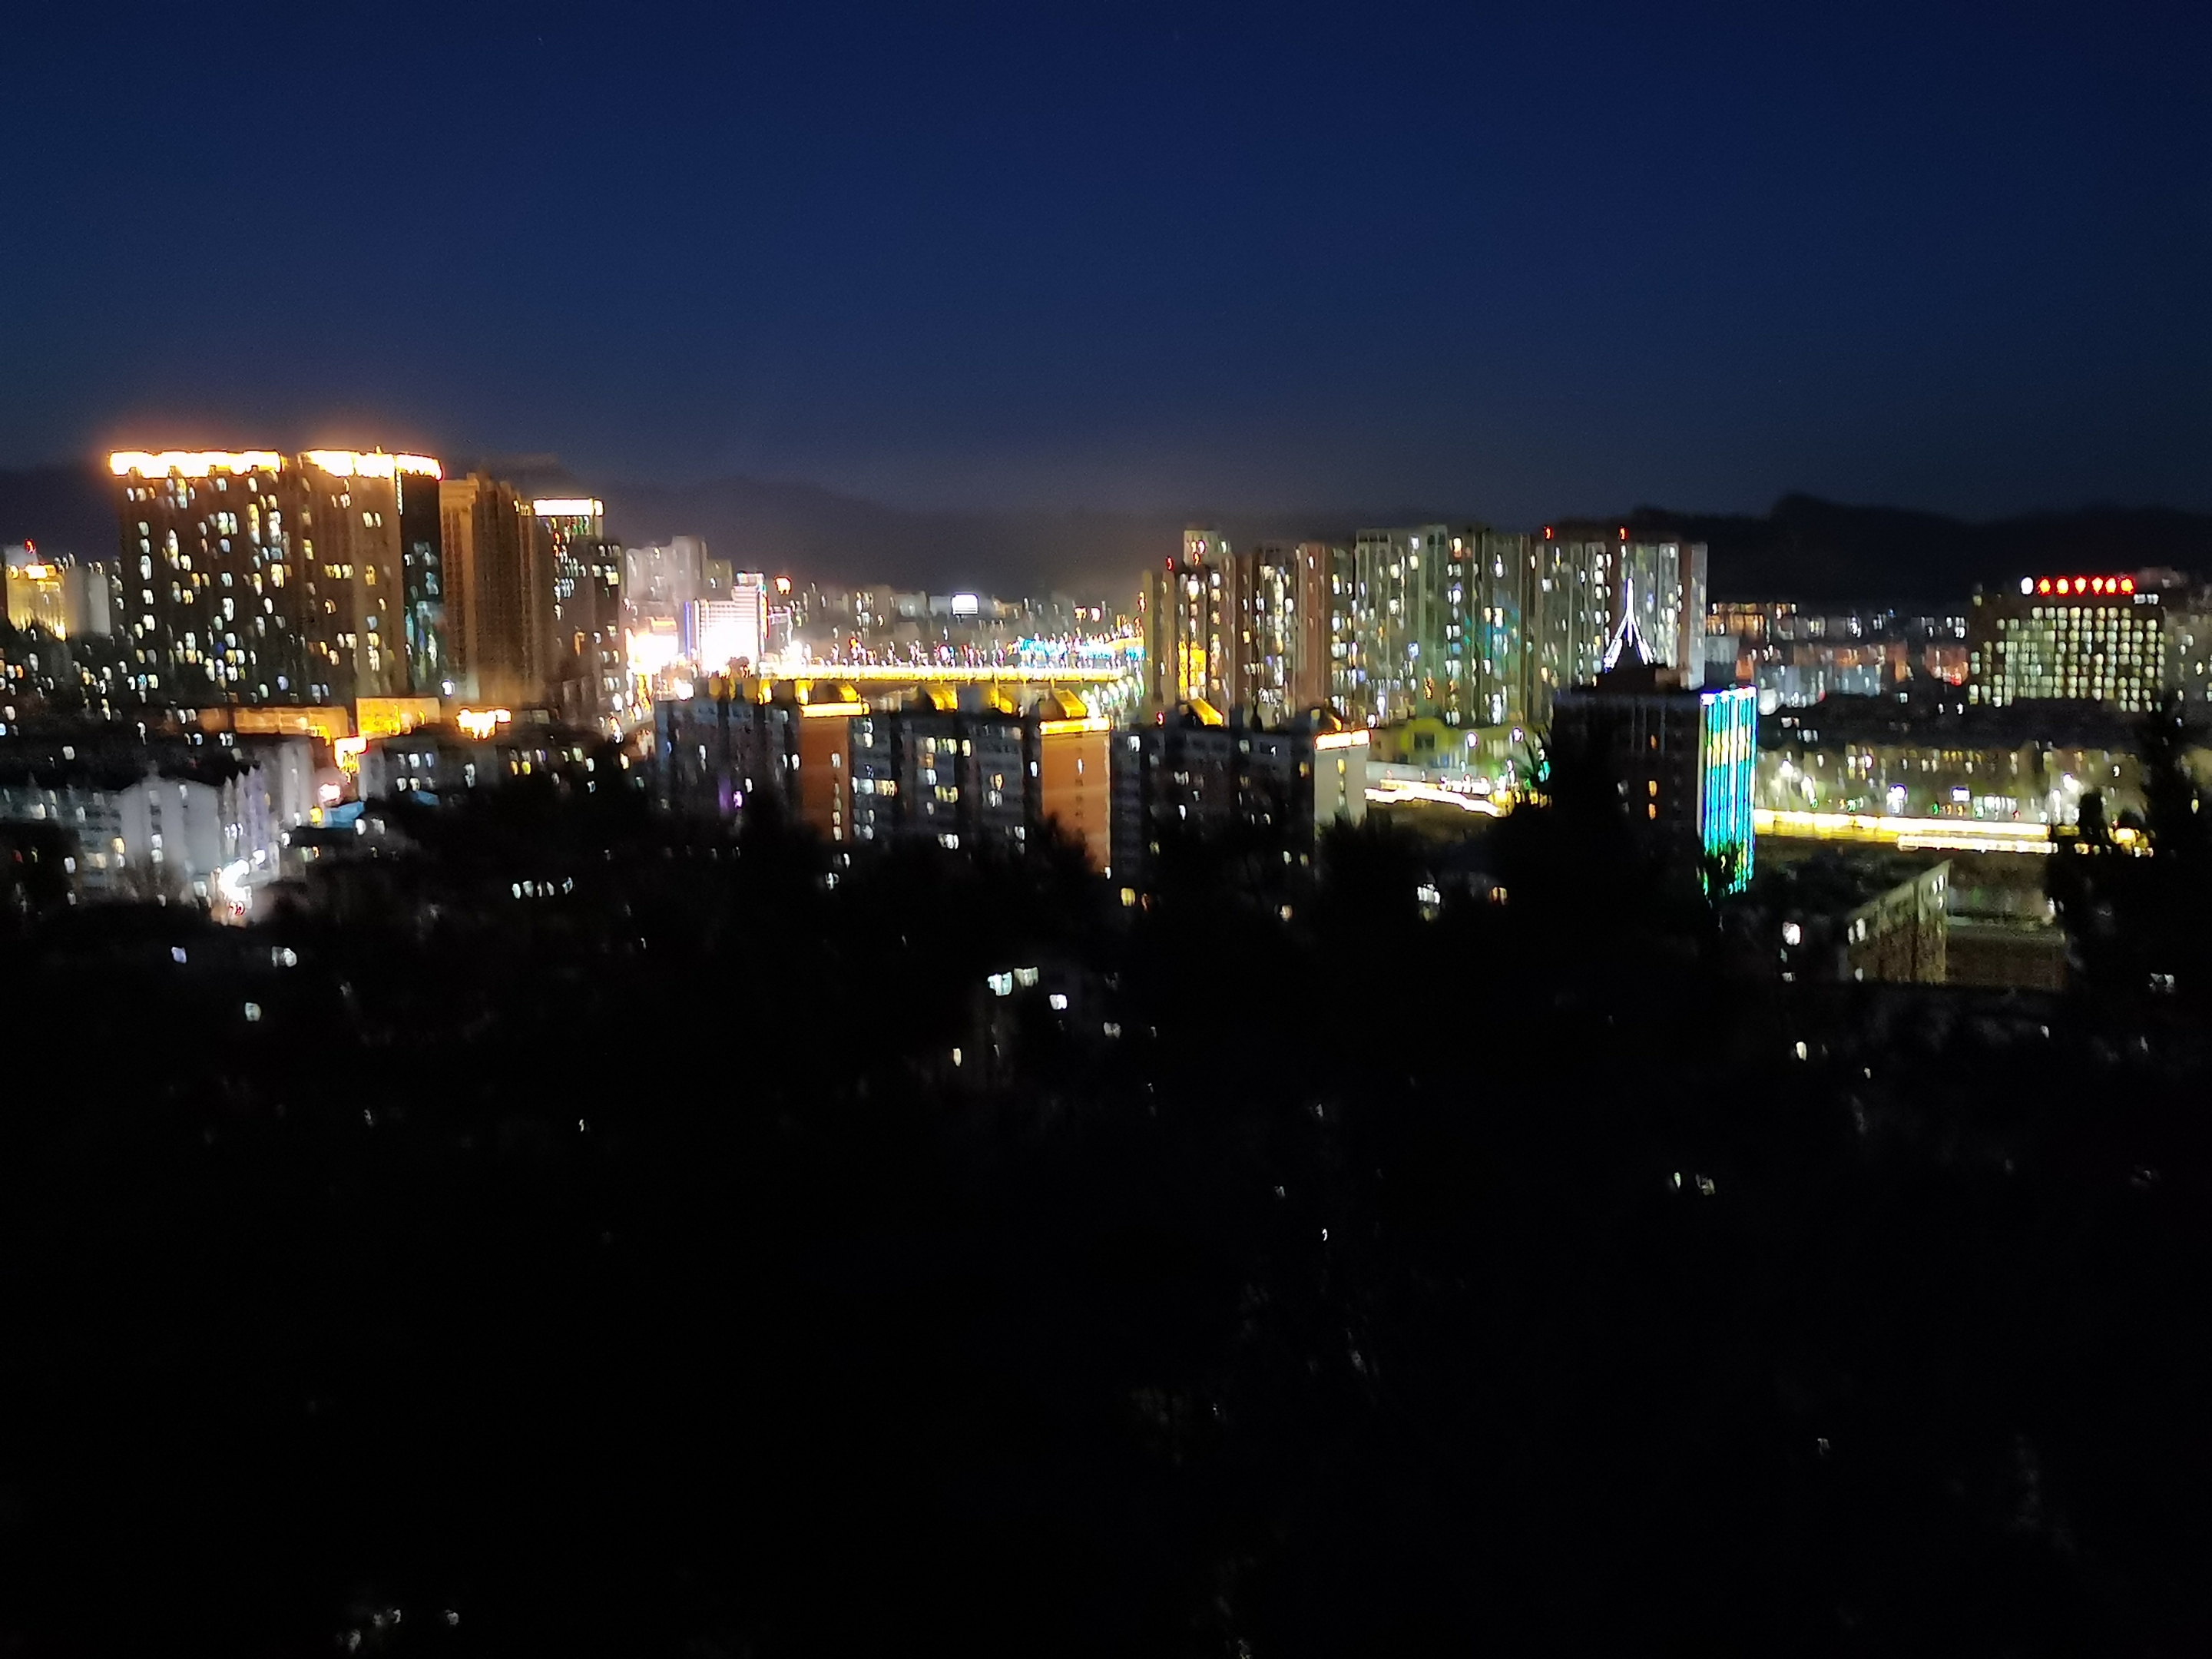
(1728,757)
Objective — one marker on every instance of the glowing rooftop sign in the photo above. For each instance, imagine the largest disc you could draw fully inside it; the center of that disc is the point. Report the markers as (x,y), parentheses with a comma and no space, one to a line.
(2077,584)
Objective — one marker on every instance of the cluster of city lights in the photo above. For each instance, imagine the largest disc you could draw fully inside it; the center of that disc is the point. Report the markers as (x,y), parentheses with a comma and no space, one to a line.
(482,723)
(2077,584)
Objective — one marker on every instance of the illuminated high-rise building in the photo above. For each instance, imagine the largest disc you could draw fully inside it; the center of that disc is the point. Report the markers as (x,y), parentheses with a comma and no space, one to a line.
(1569,622)
(1494,622)
(490,561)
(1427,621)
(1307,622)
(590,669)
(1247,629)
(1474,644)
(573,606)
(255,577)
(420,507)
(2126,640)
(1190,619)
(1665,581)
(1583,581)
(1263,640)
(1394,599)
(1275,630)
(351,552)
(565,531)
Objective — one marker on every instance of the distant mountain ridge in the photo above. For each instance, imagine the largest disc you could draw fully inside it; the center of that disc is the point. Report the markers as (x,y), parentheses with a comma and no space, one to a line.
(1803,548)
(1807,549)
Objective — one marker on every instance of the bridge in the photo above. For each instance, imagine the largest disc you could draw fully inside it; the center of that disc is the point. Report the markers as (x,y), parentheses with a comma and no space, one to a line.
(1907,834)
(1005,673)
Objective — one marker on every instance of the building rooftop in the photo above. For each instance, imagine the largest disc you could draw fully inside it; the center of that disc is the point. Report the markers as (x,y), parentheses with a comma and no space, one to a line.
(2055,722)
(51,763)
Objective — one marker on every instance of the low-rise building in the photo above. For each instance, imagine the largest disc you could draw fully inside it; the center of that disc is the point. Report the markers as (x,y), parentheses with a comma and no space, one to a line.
(1899,935)
(964,770)
(1196,774)
(201,816)
(2030,763)
(1868,914)
(442,760)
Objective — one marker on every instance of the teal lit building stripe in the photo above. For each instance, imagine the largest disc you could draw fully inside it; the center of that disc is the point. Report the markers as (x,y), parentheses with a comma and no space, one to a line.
(1728,756)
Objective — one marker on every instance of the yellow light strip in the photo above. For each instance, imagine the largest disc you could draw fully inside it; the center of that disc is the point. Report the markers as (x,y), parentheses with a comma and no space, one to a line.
(1867,826)
(352,463)
(198,463)
(1341,740)
(192,463)
(893,674)
(580,507)
(1968,843)
(818,710)
(1397,793)
(1063,728)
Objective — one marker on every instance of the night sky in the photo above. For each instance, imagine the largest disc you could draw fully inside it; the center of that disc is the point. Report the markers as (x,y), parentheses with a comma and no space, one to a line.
(1516,261)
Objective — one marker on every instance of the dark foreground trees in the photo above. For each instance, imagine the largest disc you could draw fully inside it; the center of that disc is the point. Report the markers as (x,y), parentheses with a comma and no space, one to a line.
(627,1267)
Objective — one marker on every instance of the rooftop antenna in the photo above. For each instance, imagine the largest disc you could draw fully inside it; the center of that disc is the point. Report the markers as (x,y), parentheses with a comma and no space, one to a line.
(1628,637)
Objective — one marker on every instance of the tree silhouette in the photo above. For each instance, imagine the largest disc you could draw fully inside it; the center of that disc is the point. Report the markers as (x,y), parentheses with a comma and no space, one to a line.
(592,1234)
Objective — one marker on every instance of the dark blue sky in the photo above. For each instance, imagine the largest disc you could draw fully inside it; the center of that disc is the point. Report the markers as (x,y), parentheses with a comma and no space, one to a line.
(1513,262)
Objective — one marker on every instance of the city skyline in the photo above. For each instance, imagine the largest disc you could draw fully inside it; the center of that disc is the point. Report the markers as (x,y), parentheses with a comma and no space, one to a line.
(1108,832)
(1802,547)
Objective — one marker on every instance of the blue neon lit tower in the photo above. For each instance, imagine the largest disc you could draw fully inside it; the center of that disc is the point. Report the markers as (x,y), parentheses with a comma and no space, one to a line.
(1728,756)
(1683,761)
